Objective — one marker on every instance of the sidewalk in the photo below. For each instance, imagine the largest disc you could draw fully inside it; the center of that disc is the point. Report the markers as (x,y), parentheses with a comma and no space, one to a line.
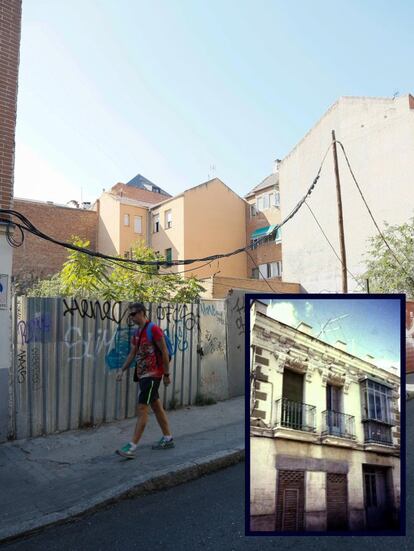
(51,479)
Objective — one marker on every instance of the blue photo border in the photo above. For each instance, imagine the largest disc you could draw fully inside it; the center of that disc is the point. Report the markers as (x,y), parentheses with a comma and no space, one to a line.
(289,296)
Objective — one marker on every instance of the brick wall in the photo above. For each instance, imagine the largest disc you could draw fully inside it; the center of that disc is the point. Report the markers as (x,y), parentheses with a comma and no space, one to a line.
(38,258)
(10,20)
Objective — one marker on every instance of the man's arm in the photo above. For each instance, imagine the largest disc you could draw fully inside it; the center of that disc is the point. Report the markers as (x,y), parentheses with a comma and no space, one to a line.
(162,347)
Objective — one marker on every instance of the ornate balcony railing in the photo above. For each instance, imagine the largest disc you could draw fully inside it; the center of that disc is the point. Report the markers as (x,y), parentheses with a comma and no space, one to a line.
(295,415)
(377,432)
(335,423)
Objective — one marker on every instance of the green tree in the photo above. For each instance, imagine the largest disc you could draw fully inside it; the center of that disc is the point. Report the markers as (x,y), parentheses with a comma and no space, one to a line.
(91,277)
(384,272)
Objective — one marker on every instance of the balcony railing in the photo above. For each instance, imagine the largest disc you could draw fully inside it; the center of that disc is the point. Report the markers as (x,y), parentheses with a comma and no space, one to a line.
(378,433)
(295,415)
(335,423)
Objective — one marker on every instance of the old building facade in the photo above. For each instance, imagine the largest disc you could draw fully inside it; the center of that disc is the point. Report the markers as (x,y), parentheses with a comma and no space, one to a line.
(325,440)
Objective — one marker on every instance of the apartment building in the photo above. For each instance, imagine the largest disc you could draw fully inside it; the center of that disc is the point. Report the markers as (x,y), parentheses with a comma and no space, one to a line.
(123,215)
(325,437)
(202,221)
(265,258)
(378,136)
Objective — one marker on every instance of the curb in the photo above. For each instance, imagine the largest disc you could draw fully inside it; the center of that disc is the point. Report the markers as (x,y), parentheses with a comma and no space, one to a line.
(137,486)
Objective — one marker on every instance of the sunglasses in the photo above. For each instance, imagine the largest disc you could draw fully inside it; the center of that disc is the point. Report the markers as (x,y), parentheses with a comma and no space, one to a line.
(133,313)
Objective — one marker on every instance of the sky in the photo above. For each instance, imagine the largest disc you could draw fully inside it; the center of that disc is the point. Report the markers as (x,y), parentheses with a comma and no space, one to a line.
(368,326)
(181,91)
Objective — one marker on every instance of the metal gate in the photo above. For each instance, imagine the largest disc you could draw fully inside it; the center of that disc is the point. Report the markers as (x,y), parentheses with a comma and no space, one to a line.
(65,356)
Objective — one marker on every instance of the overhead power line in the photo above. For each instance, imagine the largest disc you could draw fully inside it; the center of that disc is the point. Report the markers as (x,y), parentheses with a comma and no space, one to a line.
(26,226)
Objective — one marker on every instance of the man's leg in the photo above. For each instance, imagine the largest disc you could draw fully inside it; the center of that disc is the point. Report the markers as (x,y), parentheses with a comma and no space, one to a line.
(142,412)
(161,417)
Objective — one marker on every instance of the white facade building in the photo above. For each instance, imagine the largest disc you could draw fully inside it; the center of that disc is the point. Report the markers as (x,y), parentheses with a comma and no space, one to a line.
(378,136)
(325,437)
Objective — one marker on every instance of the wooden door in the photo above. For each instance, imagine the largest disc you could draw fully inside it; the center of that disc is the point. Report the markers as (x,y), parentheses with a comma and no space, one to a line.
(336,501)
(290,501)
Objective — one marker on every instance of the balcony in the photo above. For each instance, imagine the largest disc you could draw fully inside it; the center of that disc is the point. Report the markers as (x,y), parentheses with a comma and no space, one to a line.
(338,424)
(295,415)
(377,433)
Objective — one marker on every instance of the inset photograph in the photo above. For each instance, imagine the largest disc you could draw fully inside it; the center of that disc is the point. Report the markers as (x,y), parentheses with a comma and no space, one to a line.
(325,452)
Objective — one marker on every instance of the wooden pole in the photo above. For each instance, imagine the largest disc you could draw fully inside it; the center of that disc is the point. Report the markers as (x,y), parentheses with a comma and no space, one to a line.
(340,217)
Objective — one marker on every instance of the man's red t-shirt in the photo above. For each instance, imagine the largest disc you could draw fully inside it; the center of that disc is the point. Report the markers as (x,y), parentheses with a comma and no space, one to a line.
(149,362)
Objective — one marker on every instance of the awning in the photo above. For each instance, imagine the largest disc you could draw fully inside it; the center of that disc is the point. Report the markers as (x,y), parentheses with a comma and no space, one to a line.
(262,232)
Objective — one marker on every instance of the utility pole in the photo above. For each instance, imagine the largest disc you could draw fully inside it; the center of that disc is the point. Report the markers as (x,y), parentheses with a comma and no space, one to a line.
(340,217)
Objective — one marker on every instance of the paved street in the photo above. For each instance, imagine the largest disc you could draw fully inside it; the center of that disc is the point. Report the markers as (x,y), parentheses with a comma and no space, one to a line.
(204,514)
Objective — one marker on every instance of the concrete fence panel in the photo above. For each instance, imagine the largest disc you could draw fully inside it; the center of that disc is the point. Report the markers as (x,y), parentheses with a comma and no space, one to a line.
(65,358)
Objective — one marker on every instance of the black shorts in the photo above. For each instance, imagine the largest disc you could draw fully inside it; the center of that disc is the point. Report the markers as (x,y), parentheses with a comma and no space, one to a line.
(148,390)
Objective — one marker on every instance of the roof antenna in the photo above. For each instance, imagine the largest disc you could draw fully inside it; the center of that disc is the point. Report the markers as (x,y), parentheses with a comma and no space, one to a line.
(212,172)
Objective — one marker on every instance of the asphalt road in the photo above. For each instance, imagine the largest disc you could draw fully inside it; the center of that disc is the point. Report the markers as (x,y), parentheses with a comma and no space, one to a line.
(204,514)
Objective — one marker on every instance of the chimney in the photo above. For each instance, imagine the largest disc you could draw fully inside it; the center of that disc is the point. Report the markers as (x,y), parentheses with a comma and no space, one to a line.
(305,328)
(276,166)
(341,345)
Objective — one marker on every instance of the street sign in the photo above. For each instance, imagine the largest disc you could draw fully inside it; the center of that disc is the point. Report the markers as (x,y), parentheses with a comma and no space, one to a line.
(4,287)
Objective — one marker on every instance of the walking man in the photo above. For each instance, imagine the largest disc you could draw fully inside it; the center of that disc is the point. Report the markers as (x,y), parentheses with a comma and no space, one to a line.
(152,365)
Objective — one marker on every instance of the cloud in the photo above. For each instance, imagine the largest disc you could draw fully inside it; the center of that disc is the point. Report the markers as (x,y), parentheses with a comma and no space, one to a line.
(308,309)
(284,312)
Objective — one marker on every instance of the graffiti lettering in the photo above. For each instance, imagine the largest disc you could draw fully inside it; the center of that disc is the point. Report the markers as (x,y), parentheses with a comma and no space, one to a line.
(96,310)
(179,340)
(21,366)
(34,330)
(89,346)
(212,344)
(176,314)
(239,308)
(211,310)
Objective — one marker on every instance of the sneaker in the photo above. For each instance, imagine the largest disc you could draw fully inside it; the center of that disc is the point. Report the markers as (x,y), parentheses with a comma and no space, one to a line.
(163,444)
(126,451)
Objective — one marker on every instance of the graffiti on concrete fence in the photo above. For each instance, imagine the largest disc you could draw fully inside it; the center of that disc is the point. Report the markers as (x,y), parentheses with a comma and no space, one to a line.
(212,344)
(94,309)
(86,346)
(211,310)
(118,348)
(21,366)
(34,330)
(238,309)
(176,314)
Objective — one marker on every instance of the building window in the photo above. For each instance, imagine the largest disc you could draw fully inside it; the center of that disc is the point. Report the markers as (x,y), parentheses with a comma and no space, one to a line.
(168,219)
(275,269)
(277,199)
(267,201)
(168,255)
(126,219)
(376,412)
(253,211)
(156,223)
(266,271)
(138,224)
